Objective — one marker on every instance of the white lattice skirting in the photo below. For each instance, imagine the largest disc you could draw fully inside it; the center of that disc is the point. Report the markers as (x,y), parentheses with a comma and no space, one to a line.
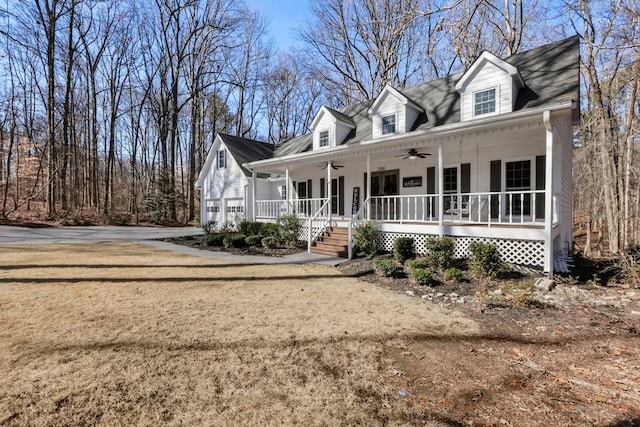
(523,252)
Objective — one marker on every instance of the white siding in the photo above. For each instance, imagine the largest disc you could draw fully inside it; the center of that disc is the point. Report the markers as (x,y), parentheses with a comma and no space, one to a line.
(326,123)
(488,76)
(224,184)
(564,178)
(341,133)
(411,116)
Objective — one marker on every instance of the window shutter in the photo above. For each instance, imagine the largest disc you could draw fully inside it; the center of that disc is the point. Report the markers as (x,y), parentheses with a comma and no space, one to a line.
(431,189)
(341,195)
(323,188)
(309,193)
(431,180)
(366,185)
(294,193)
(540,184)
(495,185)
(465,178)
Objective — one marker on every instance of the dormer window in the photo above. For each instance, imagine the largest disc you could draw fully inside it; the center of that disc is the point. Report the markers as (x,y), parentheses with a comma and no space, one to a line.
(490,86)
(323,139)
(484,102)
(389,124)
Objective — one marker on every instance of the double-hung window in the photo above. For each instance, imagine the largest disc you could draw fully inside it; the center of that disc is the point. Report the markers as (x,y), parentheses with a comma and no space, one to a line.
(484,102)
(323,140)
(518,187)
(389,124)
(222,159)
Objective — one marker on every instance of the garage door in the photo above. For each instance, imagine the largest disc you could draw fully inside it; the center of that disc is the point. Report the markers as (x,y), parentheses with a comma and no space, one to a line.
(213,211)
(235,210)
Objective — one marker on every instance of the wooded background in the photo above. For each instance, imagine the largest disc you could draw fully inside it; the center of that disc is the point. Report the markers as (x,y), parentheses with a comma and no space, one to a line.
(108,108)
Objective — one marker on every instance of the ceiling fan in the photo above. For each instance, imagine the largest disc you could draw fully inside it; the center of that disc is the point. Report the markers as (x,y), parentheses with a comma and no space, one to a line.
(413,154)
(333,166)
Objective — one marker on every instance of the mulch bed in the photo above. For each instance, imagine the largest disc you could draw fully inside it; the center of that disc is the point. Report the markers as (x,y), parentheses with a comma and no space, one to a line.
(198,242)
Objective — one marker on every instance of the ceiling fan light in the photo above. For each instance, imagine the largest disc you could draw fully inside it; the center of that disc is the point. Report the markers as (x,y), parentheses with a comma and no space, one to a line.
(413,157)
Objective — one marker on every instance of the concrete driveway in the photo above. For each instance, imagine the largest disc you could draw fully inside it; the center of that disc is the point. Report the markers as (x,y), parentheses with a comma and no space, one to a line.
(10,235)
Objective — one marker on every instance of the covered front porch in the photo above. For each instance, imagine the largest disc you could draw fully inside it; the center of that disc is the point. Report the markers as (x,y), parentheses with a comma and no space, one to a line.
(494,184)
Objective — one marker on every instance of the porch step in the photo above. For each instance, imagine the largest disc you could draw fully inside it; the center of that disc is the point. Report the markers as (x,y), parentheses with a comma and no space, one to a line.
(333,241)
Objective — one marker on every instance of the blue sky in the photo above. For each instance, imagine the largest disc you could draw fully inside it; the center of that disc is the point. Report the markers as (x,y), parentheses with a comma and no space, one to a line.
(283,16)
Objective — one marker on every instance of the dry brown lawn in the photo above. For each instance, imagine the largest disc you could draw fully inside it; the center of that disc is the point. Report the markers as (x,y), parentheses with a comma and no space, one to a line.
(122,334)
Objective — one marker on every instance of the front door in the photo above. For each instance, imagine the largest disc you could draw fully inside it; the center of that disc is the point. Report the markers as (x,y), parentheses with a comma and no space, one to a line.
(385,183)
(337,194)
(304,190)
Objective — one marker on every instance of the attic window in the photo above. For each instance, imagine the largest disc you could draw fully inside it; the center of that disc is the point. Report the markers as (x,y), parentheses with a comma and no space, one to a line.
(484,102)
(222,159)
(324,139)
(389,124)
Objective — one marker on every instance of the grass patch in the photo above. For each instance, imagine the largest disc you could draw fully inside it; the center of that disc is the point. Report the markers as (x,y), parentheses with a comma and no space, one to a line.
(121,334)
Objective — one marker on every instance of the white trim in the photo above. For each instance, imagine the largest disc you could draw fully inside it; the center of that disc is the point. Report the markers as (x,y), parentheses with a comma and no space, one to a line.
(532,160)
(223,151)
(325,110)
(396,93)
(491,58)
(395,124)
(496,101)
(458,177)
(320,132)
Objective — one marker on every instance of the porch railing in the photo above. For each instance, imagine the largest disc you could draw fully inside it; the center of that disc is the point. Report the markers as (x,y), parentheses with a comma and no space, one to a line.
(512,207)
(271,209)
(274,209)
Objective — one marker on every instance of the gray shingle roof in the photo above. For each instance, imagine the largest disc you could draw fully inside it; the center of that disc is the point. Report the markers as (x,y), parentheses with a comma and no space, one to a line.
(341,116)
(246,150)
(551,74)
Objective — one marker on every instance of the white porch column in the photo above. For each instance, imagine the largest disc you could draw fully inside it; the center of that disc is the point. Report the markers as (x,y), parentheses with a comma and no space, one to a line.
(329,167)
(440,193)
(288,191)
(548,196)
(254,203)
(368,187)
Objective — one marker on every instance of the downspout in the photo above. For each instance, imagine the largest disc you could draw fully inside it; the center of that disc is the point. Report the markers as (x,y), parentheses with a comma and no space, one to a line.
(288,185)
(329,207)
(368,188)
(548,195)
(254,203)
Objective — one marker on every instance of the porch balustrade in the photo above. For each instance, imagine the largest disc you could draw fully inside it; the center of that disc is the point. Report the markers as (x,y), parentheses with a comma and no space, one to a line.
(514,207)
(486,208)
(274,209)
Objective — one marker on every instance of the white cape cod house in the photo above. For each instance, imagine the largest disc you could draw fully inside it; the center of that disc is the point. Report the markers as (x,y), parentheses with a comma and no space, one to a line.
(484,155)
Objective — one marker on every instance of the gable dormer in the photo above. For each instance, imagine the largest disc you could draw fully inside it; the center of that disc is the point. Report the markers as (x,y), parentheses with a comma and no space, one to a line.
(489,87)
(392,113)
(330,128)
